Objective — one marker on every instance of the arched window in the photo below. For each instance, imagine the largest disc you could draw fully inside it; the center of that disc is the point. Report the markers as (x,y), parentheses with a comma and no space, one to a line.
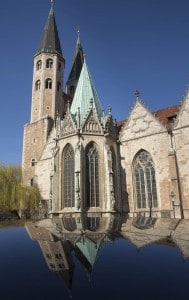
(68,177)
(69,223)
(49,63)
(145,181)
(37,85)
(93,223)
(92,176)
(38,65)
(48,83)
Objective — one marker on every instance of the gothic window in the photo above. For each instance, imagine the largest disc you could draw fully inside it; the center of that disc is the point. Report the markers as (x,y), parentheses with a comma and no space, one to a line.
(113,167)
(92,176)
(49,63)
(68,177)
(58,86)
(48,83)
(69,223)
(38,65)
(145,182)
(37,85)
(93,223)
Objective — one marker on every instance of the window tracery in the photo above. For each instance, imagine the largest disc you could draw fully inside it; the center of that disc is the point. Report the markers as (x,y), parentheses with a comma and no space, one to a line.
(92,176)
(145,182)
(69,177)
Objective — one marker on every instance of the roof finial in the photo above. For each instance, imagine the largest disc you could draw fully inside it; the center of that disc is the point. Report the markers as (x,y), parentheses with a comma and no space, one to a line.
(137,93)
(52,3)
(78,37)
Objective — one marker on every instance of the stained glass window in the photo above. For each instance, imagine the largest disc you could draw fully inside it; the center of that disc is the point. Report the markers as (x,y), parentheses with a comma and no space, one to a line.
(145,182)
(92,176)
(69,177)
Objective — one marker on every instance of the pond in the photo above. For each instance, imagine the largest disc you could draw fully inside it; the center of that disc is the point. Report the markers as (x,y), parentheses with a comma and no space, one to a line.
(95,256)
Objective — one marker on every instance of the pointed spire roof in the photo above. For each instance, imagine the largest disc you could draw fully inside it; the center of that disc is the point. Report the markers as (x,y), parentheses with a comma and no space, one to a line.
(50,41)
(77,61)
(90,249)
(85,96)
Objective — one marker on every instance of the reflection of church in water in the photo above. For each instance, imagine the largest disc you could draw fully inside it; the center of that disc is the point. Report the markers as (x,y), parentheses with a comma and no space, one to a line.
(84,236)
(82,160)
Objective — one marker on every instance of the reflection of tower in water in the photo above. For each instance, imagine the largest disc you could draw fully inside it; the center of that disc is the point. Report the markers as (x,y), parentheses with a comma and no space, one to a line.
(80,235)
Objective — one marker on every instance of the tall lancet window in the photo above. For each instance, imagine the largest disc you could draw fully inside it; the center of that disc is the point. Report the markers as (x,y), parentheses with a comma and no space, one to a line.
(92,176)
(68,177)
(145,181)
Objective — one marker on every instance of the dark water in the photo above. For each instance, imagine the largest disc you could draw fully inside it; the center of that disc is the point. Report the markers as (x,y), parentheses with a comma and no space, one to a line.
(116,269)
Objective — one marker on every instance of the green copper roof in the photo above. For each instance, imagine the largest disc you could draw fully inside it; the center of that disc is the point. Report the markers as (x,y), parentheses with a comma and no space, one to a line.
(90,249)
(77,62)
(85,91)
(50,40)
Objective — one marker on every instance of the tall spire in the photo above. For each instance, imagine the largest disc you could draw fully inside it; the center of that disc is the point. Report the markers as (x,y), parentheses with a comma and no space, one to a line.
(50,41)
(85,91)
(77,63)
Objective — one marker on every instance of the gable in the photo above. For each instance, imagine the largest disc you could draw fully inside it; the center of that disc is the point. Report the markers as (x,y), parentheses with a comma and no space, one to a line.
(92,125)
(68,126)
(141,123)
(183,115)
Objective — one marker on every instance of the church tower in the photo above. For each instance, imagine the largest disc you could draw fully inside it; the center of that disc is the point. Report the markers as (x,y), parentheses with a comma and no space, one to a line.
(47,97)
(48,74)
(70,148)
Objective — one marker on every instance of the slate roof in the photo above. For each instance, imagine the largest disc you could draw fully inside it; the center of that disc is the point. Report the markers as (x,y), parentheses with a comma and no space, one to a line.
(50,41)
(77,62)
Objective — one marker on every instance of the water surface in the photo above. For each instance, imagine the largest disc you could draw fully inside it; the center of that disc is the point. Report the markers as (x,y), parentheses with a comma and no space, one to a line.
(117,261)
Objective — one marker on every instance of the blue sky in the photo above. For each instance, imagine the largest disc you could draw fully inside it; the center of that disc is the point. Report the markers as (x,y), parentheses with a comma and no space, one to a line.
(130,44)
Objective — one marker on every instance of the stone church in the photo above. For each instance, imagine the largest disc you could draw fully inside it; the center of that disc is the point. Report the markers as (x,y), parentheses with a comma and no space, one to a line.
(82,160)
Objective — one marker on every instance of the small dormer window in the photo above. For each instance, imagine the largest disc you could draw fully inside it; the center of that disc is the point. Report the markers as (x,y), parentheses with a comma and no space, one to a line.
(48,83)
(171,119)
(49,63)
(38,64)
